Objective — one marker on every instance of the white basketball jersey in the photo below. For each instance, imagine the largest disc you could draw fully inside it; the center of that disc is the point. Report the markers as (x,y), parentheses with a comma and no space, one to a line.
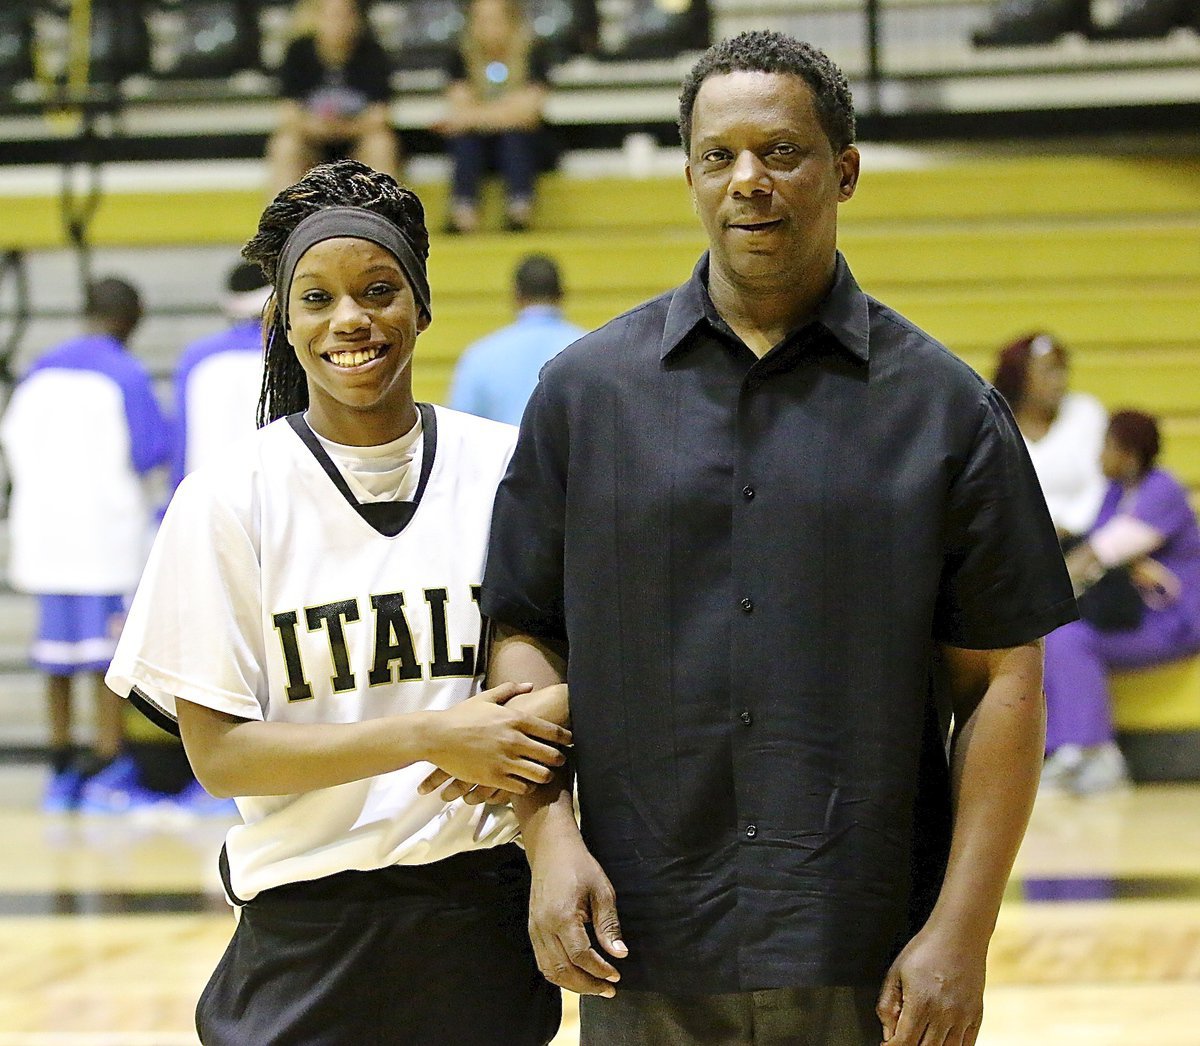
(79,517)
(269,596)
(222,399)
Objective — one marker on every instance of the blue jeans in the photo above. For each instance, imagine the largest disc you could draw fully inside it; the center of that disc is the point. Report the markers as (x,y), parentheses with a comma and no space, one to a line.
(512,153)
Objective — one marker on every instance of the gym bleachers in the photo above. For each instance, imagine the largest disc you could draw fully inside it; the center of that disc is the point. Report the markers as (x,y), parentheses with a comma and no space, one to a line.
(976,248)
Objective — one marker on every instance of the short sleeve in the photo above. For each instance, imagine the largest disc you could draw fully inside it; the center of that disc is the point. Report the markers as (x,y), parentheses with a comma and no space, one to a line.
(523,581)
(296,70)
(194,628)
(149,432)
(1003,580)
(1162,504)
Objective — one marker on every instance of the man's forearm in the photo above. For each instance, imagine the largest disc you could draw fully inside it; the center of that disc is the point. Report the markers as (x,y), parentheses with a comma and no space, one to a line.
(995,764)
(547,817)
(547,814)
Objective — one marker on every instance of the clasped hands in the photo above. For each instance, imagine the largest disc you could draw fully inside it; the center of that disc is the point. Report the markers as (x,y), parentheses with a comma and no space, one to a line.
(518,763)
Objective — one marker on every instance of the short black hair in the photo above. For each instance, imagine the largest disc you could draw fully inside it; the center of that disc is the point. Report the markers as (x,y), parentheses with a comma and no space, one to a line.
(768,51)
(112,300)
(344,183)
(245,277)
(537,279)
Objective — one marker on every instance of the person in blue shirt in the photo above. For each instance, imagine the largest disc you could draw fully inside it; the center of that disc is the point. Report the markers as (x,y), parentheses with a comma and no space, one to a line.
(80,434)
(218,378)
(497,374)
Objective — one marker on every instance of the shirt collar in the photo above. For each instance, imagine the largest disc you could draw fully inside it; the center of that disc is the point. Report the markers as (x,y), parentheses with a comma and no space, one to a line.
(843,312)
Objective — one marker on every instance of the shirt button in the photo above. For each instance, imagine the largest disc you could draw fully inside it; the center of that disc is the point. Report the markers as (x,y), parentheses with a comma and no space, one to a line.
(751,831)
(746,718)
(748,492)
(747,604)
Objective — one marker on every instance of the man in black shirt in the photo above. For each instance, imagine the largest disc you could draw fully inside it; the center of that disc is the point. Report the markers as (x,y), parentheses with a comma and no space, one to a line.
(785,539)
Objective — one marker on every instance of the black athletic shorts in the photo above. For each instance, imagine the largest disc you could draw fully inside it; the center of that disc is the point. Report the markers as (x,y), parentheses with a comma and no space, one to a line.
(433,954)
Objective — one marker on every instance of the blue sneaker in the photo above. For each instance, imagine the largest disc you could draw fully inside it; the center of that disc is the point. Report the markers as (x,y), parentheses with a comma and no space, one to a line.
(62,792)
(114,790)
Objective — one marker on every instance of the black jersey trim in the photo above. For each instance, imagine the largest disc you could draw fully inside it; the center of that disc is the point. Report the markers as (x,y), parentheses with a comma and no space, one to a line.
(388,518)
(153,711)
(227,878)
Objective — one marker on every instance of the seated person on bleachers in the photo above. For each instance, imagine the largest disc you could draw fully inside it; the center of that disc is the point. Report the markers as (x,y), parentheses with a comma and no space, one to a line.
(334,88)
(499,80)
(1147,534)
(1063,430)
(1016,23)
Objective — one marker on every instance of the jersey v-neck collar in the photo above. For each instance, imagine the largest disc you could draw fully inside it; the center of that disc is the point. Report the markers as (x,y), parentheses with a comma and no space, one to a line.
(388,518)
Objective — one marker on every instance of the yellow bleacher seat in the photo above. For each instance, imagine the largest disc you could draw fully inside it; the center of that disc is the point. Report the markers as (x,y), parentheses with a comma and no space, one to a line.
(1166,697)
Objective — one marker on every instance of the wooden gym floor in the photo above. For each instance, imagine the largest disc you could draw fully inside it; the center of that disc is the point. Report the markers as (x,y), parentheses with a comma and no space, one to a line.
(109,927)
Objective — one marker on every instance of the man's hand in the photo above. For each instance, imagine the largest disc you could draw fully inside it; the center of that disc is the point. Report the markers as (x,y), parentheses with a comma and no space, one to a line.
(933,994)
(569,892)
(484,741)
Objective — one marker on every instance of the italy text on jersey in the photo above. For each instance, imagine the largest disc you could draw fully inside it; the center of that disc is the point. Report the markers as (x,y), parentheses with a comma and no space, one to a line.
(393,653)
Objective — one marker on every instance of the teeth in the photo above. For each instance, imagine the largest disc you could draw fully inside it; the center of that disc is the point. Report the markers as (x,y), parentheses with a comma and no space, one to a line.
(353,357)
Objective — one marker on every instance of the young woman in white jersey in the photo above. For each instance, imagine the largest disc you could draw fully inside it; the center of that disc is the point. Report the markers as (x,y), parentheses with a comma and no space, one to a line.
(309,618)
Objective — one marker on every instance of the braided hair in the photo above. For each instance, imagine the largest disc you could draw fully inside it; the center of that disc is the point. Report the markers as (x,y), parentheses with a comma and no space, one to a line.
(345,183)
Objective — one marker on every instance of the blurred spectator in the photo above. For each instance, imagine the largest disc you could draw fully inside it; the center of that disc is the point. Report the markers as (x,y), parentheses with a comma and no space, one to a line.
(217,383)
(218,378)
(1029,22)
(1146,539)
(1024,22)
(499,80)
(80,432)
(1063,430)
(496,375)
(335,88)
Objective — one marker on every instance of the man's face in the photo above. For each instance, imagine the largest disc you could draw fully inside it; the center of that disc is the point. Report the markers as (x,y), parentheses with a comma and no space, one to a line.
(765,179)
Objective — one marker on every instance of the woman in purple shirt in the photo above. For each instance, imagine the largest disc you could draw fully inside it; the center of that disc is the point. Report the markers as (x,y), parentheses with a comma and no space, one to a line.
(1146,524)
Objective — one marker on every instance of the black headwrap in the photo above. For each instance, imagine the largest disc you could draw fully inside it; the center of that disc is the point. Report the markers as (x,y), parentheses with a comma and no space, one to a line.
(332,222)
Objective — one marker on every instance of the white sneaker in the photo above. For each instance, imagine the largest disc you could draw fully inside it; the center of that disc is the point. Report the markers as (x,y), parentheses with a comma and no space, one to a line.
(1059,769)
(1103,769)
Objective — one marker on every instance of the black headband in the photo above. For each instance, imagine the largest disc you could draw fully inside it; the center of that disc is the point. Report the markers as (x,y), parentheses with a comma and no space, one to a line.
(359,223)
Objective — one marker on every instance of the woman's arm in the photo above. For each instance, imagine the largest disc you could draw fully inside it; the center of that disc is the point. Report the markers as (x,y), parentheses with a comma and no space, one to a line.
(480,739)
(517,110)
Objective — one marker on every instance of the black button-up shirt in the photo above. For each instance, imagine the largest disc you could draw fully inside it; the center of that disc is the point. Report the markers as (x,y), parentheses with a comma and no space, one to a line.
(751,561)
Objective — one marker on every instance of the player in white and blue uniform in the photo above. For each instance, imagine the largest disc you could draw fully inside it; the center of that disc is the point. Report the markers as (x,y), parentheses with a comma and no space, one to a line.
(218,377)
(309,618)
(81,432)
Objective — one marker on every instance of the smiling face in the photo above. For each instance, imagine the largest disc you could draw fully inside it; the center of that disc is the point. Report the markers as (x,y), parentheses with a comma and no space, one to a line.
(765,179)
(353,323)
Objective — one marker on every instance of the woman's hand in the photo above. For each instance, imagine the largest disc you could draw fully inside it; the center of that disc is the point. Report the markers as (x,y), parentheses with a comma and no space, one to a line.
(549,703)
(489,741)
(1158,585)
